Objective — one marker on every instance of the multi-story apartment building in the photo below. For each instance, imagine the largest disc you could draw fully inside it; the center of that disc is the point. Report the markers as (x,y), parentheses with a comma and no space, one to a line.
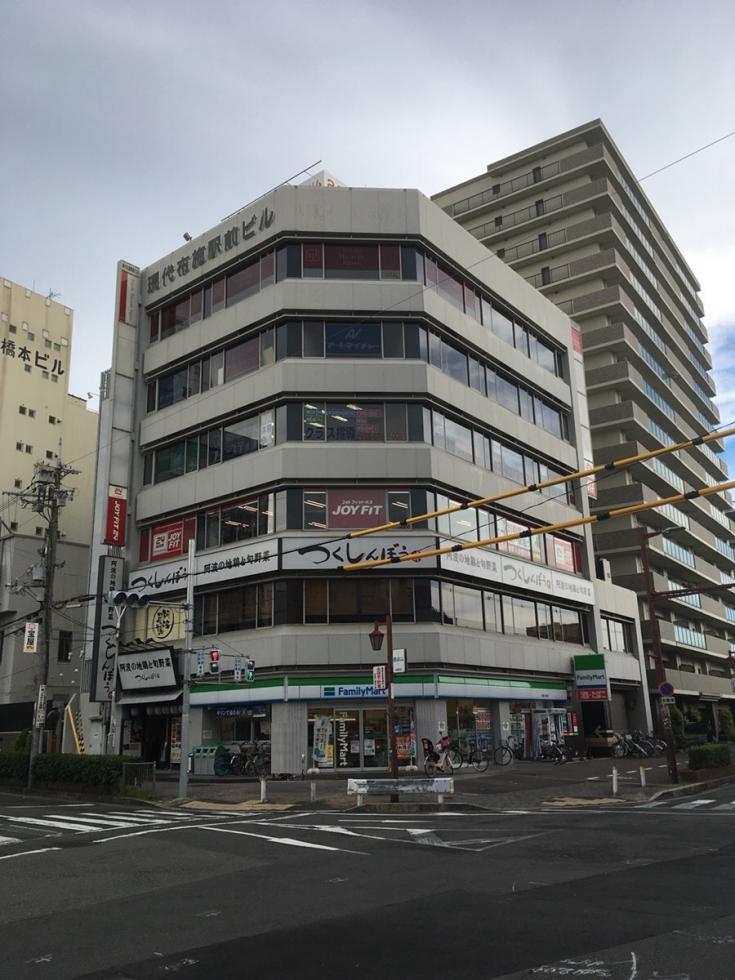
(40,422)
(569,216)
(324,360)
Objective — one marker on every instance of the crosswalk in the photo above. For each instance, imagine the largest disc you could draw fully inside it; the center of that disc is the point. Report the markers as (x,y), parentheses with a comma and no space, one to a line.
(699,805)
(83,820)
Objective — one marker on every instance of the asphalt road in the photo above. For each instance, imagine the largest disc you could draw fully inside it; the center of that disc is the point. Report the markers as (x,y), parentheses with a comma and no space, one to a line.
(621,891)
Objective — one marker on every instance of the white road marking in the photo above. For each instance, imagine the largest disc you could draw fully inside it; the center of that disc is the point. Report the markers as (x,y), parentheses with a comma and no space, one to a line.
(9,840)
(650,806)
(729,807)
(60,824)
(143,821)
(291,841)
(95,823)
(151,830)
(692,805)
(40,850)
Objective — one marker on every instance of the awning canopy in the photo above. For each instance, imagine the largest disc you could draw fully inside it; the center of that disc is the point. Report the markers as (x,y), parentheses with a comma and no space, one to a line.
(148,697)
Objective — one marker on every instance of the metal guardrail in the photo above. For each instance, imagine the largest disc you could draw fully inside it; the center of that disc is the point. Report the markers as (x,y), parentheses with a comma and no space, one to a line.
(140,776)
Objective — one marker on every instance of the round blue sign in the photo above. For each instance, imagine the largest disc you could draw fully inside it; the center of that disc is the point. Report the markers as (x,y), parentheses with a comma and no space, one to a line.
(666,689)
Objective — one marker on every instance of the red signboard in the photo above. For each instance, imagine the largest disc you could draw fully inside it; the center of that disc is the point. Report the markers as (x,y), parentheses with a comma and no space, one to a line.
(356,508)
(592,693)
(167,541)
(117,512)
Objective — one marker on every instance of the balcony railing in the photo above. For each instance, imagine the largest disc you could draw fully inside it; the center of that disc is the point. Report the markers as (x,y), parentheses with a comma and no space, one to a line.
(691,638)
(525,249)
(519,183)
(505,221)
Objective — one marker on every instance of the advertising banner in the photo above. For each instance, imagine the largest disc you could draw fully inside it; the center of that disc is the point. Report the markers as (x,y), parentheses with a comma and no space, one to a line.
(167,541)
(356,509)
(109,579)
(590,677)
(30,640)
(117,512)
(320,754)
(146,670)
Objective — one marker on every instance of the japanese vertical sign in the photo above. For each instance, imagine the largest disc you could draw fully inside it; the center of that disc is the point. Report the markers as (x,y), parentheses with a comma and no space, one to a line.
(117,512)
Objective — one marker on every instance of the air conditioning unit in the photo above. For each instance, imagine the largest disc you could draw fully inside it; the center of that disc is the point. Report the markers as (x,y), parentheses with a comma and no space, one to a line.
(602,566)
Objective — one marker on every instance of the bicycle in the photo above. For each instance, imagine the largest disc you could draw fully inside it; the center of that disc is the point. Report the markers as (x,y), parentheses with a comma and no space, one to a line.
(503,754)
(443,763)
(558,754)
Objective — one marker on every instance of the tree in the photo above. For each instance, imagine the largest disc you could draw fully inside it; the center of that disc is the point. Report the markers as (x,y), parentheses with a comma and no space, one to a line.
(677,724)
(726,724)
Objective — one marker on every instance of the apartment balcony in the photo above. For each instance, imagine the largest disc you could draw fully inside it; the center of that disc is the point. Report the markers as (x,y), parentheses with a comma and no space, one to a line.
(682,639)
(712,688)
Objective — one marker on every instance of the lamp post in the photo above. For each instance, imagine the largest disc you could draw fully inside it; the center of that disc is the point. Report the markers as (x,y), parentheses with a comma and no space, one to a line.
(376,642)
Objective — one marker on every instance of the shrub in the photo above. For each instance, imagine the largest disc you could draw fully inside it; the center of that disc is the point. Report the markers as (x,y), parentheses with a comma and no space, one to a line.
(23,742)
(694,715)
(14,765)
(92,770)
(726,724)
(709,757)
(677,724)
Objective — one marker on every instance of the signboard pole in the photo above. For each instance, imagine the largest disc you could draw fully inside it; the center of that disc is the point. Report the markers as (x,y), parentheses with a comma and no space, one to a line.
(392,757)
(186,675)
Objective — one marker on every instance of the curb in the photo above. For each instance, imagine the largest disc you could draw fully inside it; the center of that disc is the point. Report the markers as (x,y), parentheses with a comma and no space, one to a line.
(691,789)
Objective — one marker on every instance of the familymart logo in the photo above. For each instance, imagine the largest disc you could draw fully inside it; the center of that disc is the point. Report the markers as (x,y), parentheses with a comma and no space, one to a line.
(352,691)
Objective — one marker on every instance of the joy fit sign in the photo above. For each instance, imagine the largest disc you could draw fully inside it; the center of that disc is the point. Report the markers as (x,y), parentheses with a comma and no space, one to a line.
(355,510)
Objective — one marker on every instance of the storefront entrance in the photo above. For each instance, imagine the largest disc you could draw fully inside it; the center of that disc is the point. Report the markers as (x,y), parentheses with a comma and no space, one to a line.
(357,738)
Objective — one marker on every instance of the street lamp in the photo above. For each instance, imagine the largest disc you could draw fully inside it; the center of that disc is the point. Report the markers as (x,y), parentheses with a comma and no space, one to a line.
(376,642)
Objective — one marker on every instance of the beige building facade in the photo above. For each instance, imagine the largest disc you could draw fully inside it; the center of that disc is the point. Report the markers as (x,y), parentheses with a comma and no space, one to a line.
(569,216)
(40,422)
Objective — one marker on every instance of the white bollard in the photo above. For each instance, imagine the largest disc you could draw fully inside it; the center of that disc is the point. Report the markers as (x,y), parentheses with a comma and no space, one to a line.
(263,796)
(643,777)
(312,790)
(615,781)
(360,799)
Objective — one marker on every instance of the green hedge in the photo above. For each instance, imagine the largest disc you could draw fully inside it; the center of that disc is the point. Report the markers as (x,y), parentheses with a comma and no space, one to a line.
(709,757)
(92,770)
(14,765)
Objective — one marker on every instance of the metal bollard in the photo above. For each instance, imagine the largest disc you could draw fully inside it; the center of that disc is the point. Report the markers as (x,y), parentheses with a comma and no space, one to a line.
(312,790)
(614,781)
(643,777)
(263,795)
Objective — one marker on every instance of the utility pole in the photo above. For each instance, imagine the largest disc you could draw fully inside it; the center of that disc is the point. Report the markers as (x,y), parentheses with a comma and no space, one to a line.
(186,675)
(46,496)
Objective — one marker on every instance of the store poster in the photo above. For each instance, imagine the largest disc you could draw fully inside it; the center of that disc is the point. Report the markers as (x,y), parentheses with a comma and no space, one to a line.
(321,750)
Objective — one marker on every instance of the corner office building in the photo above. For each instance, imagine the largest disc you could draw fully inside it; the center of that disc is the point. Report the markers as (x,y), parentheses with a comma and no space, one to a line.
(569,216)
(324,360)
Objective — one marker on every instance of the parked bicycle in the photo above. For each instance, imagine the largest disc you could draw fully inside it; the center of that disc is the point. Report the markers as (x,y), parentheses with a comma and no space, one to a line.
(249,760)
(556,751)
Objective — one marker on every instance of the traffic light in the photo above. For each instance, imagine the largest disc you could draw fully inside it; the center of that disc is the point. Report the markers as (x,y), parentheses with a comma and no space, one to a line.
(135,600)
(250,671)
(214,661)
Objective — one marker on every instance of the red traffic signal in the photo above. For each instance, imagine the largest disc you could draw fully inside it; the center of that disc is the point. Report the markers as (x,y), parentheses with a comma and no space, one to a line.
(214,661)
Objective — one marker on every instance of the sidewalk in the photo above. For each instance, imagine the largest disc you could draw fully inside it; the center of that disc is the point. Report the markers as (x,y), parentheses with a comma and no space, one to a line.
(517,786)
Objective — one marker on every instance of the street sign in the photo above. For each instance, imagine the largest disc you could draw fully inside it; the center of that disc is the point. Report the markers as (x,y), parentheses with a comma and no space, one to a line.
(668,700)
(399,661)
(379,678)
(41,706)
(666,689)
(30,640)
(238,669)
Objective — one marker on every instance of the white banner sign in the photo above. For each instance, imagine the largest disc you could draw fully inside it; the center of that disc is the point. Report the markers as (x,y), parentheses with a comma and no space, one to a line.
(30,641)
(316,553)
(234,562)
(146,670)
(497,567)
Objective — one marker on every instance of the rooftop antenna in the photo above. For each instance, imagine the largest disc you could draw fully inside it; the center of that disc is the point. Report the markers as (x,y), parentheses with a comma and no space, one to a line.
(286,181)
(52,294)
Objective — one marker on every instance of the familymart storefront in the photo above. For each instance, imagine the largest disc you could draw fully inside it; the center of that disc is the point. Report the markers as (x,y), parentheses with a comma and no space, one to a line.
(341,722)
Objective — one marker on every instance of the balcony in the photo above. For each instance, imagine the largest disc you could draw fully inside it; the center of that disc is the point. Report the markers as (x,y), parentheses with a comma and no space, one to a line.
(687,683)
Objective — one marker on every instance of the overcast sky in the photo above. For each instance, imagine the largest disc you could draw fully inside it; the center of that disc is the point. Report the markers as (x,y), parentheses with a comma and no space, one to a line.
(126,124)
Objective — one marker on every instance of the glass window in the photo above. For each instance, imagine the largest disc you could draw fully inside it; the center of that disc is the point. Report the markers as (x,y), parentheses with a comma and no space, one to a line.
(399,505)
(151,397)
(195,378)
(521,338)
(217,369)
(543,616)
(519,616)
(214,446)
(506,393)
(521,547)
(315,509)
(195,309)
(264,598)
(148,469)
(545,355)
(192,454)
(439,439)
(567,626)
(471,303)
(267,269)
(395,422)
(447,591)
(353,339)
(551,420)
(240,438)
(218,295)
(426,595)
(205,614)
(168,321)
(242,359)
(212,519)
(508,462)
(267,429)
(237,609)
(288,262)
(313,338)
(412,341)
(239,521)
(408,262)
(354,600)
(390,261)
(468,608)
(350,260)
(393,339)
(153,324)
(526,402)
(562,556)
(432,272)
(458,439)
(166,390)
(314,428)
(477,375)
(415,414)
(502,326)
(454,363)
(315,600)
(288,339)
(267,347)
(493,614)
(401,597)
(348,422)
(243,282)
(435,350)
(450,288)
(170,462)
(313,260)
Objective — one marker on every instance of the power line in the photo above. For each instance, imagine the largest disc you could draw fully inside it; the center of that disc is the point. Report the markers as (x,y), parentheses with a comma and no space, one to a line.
(686,156)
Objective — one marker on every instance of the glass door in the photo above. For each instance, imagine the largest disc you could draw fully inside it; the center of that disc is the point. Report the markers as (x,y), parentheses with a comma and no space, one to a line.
(375,738)
(347,739)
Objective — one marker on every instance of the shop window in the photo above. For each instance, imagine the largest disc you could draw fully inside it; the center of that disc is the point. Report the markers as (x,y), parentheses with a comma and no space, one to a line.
(519,616)
(315,600)
(315,509)
(240,438)
(351,422)
(237,609)
(401,597)
(468,608)
(239,522)
(357,600)
(493,613)
(314,425)
(399,505)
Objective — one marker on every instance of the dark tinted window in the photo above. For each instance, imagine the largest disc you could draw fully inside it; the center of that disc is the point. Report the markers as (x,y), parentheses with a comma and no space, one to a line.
(353,339)
(347,260)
